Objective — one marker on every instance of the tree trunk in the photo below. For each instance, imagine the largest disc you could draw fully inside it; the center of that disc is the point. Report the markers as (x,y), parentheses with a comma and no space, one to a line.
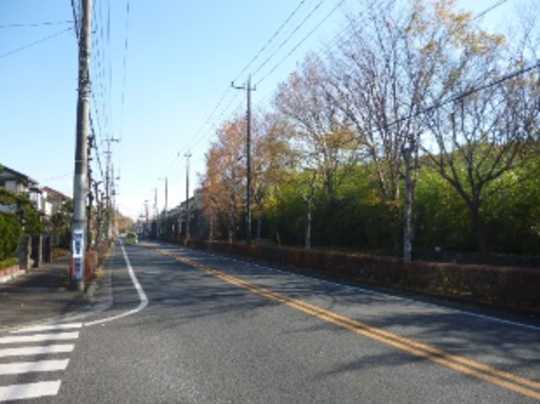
(259,228)
(408,225)
(211,233)
(477,229)
(231,227)
(308,227)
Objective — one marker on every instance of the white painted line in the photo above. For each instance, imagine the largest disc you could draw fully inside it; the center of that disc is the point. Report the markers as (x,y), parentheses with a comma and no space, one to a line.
(36,350)
(21,339)
(52,327)
(29,390)
(418,302)
(18,368)
(142,296)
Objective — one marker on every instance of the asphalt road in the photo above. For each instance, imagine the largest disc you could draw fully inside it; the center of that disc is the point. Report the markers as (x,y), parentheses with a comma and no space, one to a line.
(189,327)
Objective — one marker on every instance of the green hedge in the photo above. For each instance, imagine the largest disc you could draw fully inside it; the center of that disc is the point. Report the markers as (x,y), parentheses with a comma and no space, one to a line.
(7,263)
(10,232)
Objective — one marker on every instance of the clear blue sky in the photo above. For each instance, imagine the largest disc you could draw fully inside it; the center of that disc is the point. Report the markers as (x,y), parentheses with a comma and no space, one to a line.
(182,55)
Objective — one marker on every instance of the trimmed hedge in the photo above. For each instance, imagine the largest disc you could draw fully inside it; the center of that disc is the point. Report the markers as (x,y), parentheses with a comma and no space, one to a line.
(8,263)
(10,232)
(507,287)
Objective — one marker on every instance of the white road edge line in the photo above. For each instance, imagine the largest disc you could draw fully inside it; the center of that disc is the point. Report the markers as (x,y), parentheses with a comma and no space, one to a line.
(373,292)
(18,368)
(426,304)
(52,327)
(29,390)
(142,296)
(37,350)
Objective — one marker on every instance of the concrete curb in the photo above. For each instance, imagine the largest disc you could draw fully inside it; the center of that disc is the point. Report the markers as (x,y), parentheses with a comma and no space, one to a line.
(9,274)
(98,296)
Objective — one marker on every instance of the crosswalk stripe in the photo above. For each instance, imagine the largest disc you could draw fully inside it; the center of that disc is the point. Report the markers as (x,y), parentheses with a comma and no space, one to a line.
(36,350)
(29,390)
(39,337)
(18,368)
(50,327)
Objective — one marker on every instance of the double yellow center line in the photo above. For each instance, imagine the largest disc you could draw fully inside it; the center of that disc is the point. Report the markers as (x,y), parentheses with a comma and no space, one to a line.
(510,381)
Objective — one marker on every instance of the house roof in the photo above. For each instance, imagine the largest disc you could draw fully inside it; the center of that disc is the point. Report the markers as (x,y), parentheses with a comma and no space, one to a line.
(17,174)
(55,194)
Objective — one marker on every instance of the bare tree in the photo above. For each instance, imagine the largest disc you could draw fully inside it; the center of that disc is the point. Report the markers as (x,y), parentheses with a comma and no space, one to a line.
(483,134)
(382,78)
(322,134)
(321,137)
(387,74)
(225,177)
(272,160)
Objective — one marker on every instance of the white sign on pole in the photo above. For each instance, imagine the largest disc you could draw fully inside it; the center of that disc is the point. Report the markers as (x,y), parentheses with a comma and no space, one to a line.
(78,253)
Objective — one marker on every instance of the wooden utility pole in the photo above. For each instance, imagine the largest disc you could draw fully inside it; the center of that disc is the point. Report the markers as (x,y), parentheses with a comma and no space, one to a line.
(80,180)
(99,212)
(109,183)
(248,88)
(90,196)
(166,194)
(146,231)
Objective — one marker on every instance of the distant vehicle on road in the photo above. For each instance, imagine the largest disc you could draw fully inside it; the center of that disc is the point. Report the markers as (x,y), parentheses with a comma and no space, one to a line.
(132,239)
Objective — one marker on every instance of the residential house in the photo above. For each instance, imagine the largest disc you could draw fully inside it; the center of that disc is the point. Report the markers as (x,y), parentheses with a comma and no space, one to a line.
(18,183)
(55,199)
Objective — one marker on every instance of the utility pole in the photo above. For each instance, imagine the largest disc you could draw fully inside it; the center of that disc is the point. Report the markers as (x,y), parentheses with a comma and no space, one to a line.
(99,212)
(147,224)
(156,212)
(113,202)
(188,212)
(163,215)
(164,218)
(109,179)
(90,196)
(166,194)
(248,88)
(80,180)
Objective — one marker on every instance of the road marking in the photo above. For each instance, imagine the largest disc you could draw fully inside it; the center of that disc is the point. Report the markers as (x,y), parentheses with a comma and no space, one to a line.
(140,292)
(18,368)
(416,301)
(52,327)
(377,293)
(36,350)
(39,338)
(457,363)
(29,390)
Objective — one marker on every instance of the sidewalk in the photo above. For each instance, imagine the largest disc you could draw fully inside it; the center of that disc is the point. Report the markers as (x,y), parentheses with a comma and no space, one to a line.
(38,296)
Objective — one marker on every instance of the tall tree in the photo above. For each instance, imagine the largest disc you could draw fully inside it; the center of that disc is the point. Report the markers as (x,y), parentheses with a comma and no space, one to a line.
(483,134)
(384,76)
(272,160)
(321,136)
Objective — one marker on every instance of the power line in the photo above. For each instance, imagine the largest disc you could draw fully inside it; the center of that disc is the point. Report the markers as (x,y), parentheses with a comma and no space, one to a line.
(467,93)
(76,17)
(244,69)
(288,38)
(124,68)
(311,32)
(490,9)
(271,39)
(223,96)
(41,40)
(36,24)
